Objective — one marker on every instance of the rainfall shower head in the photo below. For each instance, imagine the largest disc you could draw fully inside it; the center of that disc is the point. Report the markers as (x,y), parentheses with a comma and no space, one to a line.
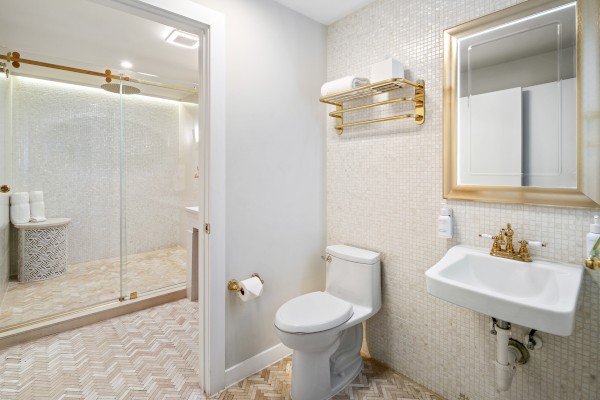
(114,88)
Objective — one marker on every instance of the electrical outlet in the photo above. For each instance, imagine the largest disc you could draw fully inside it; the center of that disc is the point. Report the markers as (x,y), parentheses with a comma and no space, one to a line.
(463,397)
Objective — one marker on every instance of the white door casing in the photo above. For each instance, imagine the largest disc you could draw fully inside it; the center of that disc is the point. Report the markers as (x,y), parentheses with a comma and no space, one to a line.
(209,25)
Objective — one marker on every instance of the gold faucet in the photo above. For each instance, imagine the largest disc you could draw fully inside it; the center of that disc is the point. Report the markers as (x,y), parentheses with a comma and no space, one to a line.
(505,237)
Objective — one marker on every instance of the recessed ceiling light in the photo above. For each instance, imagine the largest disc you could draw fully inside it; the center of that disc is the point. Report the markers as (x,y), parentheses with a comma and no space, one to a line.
(183,39)
(126,64)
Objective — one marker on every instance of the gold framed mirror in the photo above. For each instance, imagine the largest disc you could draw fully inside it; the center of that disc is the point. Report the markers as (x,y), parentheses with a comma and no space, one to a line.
(521,100)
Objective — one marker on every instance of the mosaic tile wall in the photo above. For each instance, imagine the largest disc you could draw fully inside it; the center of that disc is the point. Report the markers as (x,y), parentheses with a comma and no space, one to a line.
(384,188)
(66,143)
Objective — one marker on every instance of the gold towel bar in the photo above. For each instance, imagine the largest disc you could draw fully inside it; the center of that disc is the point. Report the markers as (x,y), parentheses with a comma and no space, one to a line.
(373,89)
(345,110)
(234,285)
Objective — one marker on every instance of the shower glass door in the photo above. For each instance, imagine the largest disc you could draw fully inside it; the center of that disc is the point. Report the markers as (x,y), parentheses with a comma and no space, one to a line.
(116,164)
(60,136)
(159,181)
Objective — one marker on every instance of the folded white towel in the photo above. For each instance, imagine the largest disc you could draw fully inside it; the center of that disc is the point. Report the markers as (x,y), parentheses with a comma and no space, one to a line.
(19,213)
(345,83)
(19,198)
(37,195)
(38,211)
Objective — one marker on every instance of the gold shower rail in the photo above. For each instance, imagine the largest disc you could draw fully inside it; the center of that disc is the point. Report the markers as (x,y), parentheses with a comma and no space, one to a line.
(14,58)
(373,89)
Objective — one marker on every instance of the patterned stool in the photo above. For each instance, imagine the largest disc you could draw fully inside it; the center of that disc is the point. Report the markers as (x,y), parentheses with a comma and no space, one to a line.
(42,249)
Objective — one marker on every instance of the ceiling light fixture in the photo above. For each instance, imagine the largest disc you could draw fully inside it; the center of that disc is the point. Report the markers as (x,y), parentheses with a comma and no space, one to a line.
(183,39)
(126,64)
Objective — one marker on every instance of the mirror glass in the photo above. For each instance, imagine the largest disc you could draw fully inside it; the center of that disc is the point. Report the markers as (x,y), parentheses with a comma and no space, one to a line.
(516,102)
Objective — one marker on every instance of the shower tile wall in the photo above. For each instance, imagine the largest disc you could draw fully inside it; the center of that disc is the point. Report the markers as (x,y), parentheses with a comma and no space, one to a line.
(384,187)
(66,143)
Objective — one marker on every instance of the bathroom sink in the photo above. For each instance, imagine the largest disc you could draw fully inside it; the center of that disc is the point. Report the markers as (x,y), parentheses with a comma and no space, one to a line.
(193,218)
(540,294)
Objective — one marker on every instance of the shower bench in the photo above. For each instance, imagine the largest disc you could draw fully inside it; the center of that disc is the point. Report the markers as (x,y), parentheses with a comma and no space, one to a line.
(42,249)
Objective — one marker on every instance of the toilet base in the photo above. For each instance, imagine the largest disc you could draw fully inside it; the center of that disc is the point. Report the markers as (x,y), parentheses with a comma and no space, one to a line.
(320,375)
(338,383)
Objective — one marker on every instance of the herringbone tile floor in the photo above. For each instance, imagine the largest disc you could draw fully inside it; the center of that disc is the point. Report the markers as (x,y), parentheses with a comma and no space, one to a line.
(150,354)
(375,382)
(153,354)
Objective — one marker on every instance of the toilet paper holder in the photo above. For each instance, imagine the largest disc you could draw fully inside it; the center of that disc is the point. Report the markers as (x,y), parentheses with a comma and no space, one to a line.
(234,286)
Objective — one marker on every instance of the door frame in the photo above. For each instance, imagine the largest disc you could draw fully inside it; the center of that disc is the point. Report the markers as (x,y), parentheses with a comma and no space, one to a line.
(209,25)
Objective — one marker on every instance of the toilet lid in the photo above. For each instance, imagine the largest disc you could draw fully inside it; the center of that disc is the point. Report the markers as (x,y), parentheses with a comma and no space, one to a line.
(312,312)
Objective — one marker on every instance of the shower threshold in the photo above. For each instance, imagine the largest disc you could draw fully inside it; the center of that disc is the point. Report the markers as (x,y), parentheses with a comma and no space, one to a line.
(66,321)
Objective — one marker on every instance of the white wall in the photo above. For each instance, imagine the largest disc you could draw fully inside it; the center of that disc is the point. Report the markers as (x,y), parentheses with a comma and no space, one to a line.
(275,164)
(384,186)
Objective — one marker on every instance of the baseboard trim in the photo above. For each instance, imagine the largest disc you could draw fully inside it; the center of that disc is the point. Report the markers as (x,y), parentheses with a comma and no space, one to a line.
(256,363)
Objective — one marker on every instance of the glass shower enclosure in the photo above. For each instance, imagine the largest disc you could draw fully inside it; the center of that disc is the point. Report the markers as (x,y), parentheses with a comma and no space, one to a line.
(114,164)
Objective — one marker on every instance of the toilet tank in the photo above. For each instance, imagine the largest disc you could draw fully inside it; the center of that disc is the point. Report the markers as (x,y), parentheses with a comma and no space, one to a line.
(354,275)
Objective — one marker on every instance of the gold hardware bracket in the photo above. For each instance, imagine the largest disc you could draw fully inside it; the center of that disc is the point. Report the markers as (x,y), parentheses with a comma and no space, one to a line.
(4,189)
(234,285)
(592,263)
(419,100)
(133,295)
(207,229)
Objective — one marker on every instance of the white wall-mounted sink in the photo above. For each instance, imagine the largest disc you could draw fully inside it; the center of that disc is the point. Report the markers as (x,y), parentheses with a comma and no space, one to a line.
(540,295)
(192,216)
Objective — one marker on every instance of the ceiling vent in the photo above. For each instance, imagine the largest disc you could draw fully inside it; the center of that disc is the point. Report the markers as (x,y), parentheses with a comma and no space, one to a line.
(183,39)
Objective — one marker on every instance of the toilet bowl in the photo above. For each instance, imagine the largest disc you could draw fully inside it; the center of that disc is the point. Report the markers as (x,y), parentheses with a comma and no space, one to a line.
(324,328)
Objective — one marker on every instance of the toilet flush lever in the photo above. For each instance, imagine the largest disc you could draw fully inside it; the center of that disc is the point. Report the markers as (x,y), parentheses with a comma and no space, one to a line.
(326,258)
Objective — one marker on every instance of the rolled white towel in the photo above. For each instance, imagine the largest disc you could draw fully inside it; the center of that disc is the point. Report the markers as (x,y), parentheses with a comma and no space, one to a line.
(345,83)
(19,198)
(38,211)
(19,213)
(37,206)
(36,195)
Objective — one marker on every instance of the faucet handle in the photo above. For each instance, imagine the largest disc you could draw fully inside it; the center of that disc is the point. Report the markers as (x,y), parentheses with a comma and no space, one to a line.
(536,243)
(523,249)
(498,242)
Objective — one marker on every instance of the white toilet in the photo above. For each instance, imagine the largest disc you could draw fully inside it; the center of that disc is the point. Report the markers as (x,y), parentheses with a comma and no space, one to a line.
(324,328)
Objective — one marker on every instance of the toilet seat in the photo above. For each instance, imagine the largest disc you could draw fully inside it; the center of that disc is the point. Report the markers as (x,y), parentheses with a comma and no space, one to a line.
(312,312)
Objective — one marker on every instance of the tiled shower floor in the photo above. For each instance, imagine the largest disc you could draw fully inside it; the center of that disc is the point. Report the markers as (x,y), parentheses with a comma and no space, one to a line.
(88,283)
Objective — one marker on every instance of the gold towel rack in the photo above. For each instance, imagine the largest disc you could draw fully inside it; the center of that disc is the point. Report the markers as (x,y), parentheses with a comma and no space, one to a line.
(373,89)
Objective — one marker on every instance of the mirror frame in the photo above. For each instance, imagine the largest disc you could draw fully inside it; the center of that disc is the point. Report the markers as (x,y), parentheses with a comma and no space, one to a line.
(587,192)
